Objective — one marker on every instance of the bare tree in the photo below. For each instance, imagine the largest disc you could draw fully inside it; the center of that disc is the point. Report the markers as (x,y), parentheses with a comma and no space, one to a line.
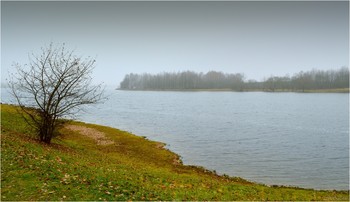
(55,84)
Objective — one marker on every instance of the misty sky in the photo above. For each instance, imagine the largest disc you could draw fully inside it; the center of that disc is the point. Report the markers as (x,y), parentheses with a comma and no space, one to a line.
(258,39)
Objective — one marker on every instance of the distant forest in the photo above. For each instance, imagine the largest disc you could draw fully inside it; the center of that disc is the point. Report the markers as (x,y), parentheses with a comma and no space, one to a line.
(189,80)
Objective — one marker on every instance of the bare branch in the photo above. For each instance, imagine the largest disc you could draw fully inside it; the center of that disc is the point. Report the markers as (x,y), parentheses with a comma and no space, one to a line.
(57,83)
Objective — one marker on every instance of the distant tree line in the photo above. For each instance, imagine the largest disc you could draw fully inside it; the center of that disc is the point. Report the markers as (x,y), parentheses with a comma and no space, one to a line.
(183,80)
(309,80)
(189,80)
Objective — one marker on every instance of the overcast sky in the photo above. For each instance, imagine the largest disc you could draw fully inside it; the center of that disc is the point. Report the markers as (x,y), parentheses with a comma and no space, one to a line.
(258,39)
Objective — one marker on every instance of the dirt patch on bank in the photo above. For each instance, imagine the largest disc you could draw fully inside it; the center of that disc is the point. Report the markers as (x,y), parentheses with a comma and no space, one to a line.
(98,136)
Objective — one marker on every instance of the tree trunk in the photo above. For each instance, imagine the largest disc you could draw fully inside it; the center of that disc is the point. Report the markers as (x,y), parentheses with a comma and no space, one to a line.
(46,129)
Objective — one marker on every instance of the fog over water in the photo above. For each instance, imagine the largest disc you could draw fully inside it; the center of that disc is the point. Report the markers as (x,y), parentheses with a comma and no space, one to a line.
(254,38)
(274,138)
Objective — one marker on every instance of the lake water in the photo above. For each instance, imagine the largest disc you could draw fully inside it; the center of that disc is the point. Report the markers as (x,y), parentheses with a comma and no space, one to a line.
(295,139)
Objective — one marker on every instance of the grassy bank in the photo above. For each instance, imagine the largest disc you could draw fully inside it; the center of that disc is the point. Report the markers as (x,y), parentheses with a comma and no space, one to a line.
(77,166)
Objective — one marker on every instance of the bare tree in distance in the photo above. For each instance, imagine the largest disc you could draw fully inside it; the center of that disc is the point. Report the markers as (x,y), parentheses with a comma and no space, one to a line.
(56,83)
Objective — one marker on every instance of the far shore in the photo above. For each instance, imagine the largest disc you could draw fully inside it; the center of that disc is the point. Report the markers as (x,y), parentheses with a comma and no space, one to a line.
(333,90)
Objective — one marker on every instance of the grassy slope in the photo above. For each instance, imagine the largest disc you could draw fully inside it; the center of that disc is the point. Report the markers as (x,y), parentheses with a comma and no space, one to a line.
(73,167)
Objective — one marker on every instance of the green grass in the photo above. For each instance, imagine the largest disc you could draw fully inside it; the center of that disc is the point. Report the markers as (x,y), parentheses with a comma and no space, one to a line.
(74,167)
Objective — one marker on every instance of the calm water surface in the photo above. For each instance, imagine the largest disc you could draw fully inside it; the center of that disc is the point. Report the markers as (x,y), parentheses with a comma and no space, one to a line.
(274,138)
